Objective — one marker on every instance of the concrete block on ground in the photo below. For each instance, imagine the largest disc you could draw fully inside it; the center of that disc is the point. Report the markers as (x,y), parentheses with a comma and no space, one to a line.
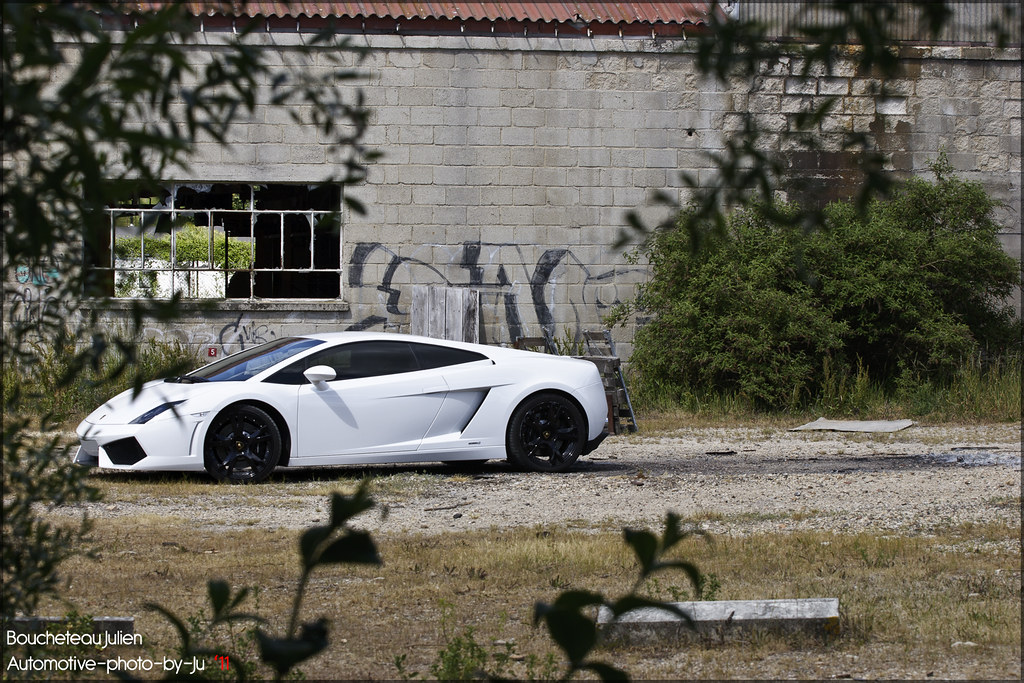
(722,619)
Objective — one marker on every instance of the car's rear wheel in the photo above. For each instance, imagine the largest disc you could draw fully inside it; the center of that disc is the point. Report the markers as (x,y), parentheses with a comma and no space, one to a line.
(243,445)
(547,433)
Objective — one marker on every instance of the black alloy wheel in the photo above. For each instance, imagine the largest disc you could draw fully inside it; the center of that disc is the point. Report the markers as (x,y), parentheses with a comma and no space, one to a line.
(547,433)
(243,445)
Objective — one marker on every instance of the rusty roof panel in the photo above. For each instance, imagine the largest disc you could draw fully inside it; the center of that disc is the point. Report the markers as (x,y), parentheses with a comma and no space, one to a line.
(601,12)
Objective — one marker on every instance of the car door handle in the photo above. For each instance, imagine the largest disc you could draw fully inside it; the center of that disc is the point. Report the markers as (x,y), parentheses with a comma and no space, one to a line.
(435,390)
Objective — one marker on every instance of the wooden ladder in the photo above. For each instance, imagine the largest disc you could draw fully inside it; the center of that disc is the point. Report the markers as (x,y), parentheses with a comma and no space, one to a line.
(600,350)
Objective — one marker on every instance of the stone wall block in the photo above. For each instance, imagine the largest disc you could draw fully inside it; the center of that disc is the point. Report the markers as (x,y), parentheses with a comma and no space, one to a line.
(483,97)
(581,177)
(494,116)
(449,97)
(891,106)
(548,137)
(308,154)
(438,60)
(528,117)
(415,216)
(449,135)
(412,134)
(865,86)
(596,196)
(416,97)
(238,155)
(432,78)
(793,105)
(801,86)
(517,98)
(593,156)
(450,175)
(404,59)
(857,105)
(550,99)
(585,137)
(273,154)
(558,156)
(661,158)
(833,85)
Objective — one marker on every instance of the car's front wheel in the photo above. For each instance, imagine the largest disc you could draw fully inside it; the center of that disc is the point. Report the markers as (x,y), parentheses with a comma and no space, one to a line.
(243,445)
(547,433)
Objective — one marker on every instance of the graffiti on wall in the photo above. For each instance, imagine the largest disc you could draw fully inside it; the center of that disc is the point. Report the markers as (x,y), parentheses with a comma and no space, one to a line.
(517,293)
(243,333)
(32,296)
(28,306)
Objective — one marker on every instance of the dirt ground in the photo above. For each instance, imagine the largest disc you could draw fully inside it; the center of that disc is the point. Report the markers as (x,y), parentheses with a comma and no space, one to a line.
(752,479)
(737,482)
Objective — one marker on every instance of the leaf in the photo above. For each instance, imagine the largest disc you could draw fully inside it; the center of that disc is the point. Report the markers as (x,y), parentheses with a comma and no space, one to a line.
(179,626)
(573,632)
(220,593)
(606,672)
(645,546)
(356,547)
(632,602)
(310,542)
(577,600)
(344,508)
(284,653)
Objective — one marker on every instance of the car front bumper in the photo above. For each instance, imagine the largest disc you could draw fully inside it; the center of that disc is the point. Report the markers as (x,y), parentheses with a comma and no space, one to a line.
(167,444)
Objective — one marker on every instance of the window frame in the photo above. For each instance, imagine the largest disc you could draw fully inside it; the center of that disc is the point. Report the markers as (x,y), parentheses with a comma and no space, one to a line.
(164,221)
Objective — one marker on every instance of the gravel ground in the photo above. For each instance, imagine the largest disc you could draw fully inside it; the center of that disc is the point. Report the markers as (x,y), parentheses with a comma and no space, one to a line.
(739,481)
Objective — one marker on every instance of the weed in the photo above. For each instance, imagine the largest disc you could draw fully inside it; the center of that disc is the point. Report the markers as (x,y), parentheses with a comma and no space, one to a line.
(570,343)
(558,583)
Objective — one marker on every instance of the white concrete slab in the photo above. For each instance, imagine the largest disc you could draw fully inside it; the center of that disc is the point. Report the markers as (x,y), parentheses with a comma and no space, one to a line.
(822,424)
(722,618)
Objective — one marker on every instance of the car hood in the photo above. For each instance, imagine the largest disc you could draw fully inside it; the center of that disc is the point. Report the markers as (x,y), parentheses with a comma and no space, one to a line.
(128,405)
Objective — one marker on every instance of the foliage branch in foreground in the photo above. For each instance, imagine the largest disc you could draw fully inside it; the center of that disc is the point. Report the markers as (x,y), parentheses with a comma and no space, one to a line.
(88,98)
(319,546)
(570,621)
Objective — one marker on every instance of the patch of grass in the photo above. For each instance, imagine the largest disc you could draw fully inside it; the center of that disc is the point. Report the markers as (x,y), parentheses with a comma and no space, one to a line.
(45,384)
(920,594)
(977,393)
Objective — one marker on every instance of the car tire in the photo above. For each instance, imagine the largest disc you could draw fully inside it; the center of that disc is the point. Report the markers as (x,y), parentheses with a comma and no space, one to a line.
(546,433)
(243,445)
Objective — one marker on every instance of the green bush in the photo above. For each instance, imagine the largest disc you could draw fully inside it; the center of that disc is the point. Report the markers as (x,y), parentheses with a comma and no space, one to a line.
(905,295)
(192,246)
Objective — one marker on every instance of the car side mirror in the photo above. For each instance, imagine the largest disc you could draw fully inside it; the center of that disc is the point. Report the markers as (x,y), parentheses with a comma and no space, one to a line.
(319,375)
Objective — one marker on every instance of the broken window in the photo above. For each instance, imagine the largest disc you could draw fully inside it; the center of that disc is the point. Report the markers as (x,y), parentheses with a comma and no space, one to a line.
(223,241)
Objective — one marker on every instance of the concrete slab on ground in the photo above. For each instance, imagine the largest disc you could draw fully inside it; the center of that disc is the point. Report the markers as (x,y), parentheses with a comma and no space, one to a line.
(723,618)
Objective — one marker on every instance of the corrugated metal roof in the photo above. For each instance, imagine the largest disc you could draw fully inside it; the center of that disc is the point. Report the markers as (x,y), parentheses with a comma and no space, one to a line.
(601,12)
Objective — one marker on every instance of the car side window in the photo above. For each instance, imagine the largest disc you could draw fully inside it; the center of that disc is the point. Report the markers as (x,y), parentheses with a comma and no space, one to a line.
(431,356)
(353,361)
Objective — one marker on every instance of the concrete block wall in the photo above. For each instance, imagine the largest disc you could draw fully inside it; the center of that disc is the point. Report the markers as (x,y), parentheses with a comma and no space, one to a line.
(510,162)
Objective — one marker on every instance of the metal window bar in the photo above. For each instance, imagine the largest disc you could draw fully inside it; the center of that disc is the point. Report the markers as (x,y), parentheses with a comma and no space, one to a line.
(150,217)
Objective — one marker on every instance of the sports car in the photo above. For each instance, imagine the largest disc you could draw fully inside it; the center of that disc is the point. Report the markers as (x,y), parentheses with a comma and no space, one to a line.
(353,398)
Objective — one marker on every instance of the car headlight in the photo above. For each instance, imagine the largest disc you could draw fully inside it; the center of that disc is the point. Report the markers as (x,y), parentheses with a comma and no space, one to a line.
(153,412)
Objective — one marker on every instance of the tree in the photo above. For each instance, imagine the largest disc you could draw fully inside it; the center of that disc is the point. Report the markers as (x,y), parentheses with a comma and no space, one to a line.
(88,96)
(908,289)
(782,354)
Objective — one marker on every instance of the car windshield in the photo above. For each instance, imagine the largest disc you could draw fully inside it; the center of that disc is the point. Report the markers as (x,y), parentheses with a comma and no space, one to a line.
(249,363)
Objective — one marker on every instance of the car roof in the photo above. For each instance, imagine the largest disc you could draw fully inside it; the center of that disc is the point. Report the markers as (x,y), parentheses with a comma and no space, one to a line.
(351,336)
(371,336)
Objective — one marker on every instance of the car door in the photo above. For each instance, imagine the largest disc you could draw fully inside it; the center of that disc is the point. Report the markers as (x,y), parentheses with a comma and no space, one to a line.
(379,402)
